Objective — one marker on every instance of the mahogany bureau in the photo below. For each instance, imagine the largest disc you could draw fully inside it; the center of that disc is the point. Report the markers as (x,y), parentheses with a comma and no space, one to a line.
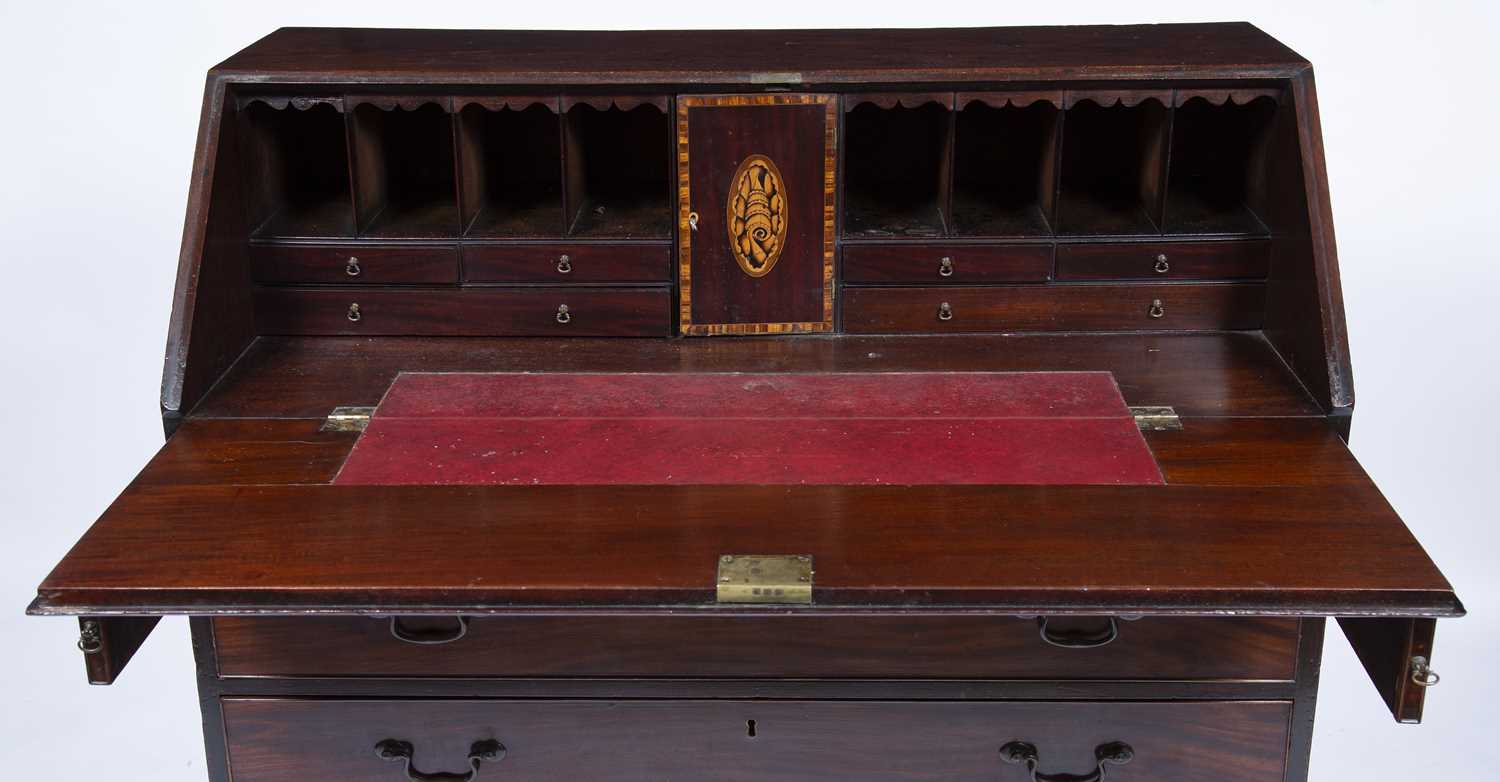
(778,405)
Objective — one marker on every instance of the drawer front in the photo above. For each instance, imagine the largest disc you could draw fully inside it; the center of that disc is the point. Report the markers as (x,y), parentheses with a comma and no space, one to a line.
(553,312)
(273,740)
(353,264)
(1054,308)
(1164,261)
(849,647)
(562,263)
(947,264)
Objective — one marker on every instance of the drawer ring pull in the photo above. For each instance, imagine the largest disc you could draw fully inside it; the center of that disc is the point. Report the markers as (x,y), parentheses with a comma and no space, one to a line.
(1116,753)
(488,750)
(353,314)
(945,267)
(1157,309)
(1082,640)
(430,637)
(564,264)
(945,311)
(563,314)
(1162,267)
(352,268)
(1422,674)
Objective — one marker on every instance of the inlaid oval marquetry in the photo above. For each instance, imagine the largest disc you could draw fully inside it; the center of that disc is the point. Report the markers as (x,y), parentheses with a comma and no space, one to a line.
(757,215)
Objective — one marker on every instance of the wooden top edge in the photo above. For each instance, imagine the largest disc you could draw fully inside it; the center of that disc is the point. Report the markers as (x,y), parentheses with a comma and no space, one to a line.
(906,55)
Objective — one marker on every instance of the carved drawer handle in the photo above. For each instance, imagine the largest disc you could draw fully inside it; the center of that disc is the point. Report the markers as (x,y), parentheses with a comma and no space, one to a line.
(945,311)
(564,264)
(1116,753)
(90,638)
(1080,640)
(1157,309)
(563,314)
(488,750)
(353,314)
(351,267)
(1162,267)
(430,637)
(945,267)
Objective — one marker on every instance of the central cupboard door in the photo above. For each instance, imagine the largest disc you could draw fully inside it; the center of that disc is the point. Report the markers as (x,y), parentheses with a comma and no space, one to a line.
(755,177)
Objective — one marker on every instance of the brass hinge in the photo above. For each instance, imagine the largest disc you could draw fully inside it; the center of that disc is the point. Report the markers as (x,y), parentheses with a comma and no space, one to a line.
(1156,419)
(765,578)
(347,419)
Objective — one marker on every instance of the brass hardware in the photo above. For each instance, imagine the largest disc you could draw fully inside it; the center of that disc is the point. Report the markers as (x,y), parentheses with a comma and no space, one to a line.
(1156,310)
(756,215)
(945,267)
(487,751)
(563,315)
(347,419)
(564,264)
(429,637)
(1422,674)
(764,578)
(1156,419)
(945,311)
(1114,753)
(693,220)
(1162,267)
(353,314)
(90,638)
(351,267)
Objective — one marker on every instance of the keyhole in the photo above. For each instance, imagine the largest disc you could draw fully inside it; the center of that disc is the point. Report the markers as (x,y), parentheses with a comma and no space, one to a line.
(750,728)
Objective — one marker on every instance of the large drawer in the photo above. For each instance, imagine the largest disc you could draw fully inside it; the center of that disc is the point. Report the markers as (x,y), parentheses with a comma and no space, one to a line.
(946,264)
(932,647)
(567,263)
(354,264)
(1054,308)
(272,740)
(540,311)
(1164,260)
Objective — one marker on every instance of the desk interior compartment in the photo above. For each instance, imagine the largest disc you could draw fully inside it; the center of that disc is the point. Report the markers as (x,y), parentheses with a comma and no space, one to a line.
(897,166)
(1113,164)
(510,155)
(1216,185)
(618,168)
(296,168)
(1005,165)
(403,168)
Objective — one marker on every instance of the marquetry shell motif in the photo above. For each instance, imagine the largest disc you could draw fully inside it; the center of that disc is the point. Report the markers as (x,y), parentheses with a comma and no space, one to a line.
(757,215)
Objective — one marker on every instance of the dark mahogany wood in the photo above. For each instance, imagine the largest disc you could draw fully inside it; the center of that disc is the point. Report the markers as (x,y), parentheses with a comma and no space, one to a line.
(108,643)
(568,263)
(847,647)
(590,312)
(1052,308)
(354,264)
(281,740)
(1164,260)
(1387,649)
(966,263)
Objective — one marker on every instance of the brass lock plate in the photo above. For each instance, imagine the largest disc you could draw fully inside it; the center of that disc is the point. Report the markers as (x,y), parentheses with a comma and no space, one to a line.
(765,578)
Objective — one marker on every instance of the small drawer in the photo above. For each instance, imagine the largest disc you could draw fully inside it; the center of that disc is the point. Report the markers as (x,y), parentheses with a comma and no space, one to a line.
(470,312)
(800,647)
(947,264)
(385,739)
(353,264)
(1220,306)
(564,263)
(1164,261)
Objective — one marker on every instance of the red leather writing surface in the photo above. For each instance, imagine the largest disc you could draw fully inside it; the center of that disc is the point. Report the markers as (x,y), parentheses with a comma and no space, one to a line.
(729,428)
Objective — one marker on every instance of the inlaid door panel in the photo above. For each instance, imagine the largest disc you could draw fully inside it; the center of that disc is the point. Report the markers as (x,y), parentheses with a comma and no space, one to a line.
(755,213)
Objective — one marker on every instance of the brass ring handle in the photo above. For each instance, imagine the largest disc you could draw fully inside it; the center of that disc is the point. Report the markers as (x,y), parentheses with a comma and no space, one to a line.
(351,267)
(481,752)
(1079,640)
(1422,674)
(563,314)
(353,314)
(693,220)
(429,637)
(90,639)
(1157,309)
(1115,753)
(945,311)
(564,264)
(1162,267)
(945,267)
